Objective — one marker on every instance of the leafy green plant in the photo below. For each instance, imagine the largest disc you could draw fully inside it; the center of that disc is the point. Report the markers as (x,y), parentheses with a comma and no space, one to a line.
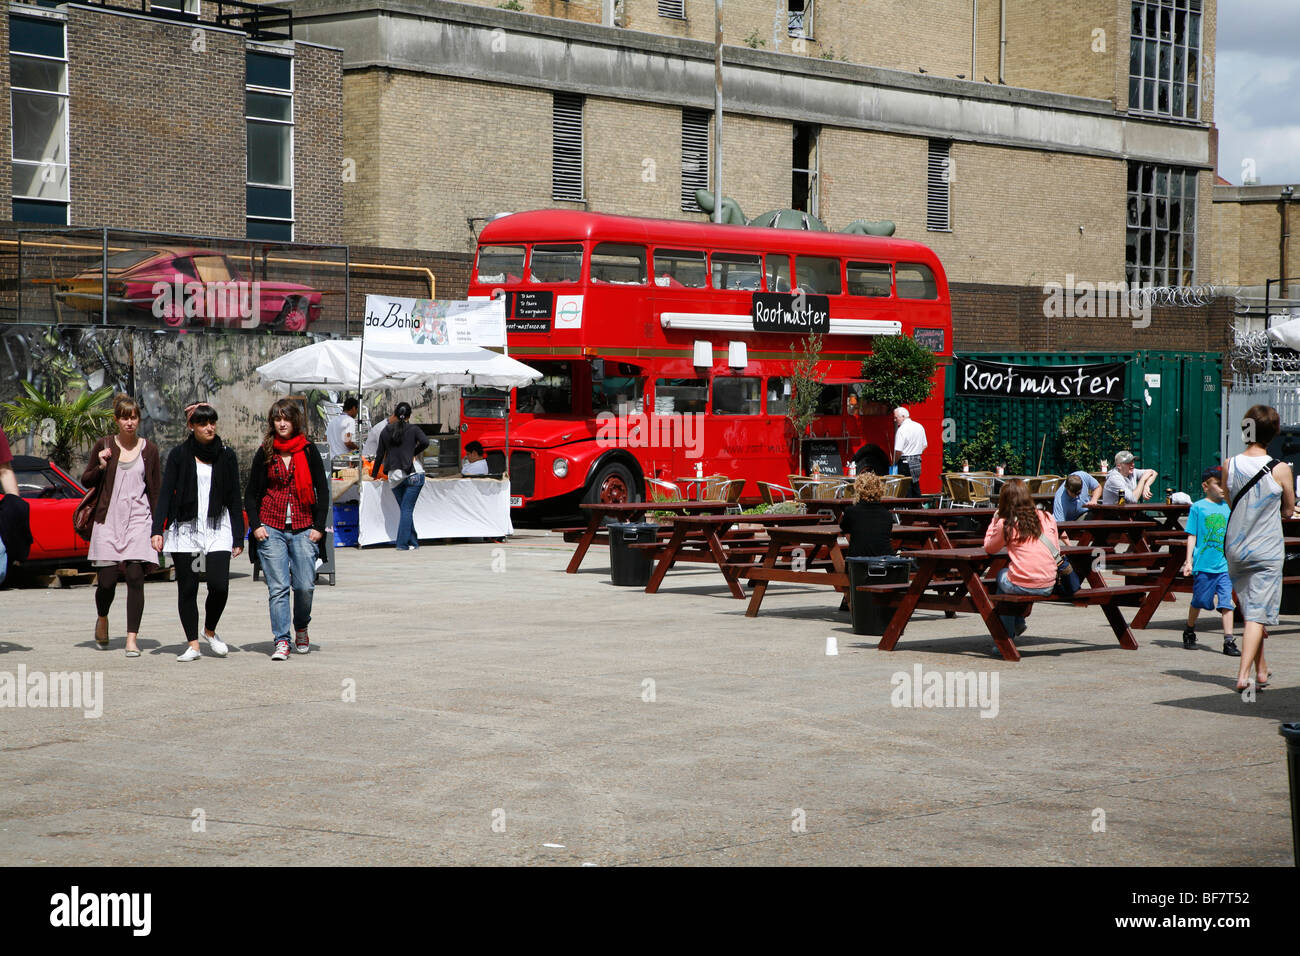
(510,5)
(806,380)
(984,452)
(63,427)
(754,41)
(1090,433)
(898,371)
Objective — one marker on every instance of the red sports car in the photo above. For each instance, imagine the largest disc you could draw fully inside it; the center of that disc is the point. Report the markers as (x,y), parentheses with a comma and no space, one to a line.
(190,287)
(52,495)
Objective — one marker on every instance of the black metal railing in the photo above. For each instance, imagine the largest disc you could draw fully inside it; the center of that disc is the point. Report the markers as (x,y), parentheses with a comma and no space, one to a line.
(257,22)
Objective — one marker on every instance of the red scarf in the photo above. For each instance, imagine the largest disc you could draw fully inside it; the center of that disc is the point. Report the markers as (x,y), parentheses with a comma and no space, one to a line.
(302,486)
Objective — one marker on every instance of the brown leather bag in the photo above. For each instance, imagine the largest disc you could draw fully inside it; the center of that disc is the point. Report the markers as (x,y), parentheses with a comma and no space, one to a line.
(83,518)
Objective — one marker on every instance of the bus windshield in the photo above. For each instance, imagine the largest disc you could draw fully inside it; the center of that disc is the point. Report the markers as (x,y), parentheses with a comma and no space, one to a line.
(485,402)
(552,394)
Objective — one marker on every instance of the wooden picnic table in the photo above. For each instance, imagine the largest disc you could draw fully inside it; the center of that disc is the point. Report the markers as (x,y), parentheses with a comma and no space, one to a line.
(1102,533)
(699,538)
(967,593)
(631,511)
(824,555)
(1167,515)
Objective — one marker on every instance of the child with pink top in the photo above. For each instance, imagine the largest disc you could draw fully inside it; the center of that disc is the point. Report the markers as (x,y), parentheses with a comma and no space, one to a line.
(1021,528)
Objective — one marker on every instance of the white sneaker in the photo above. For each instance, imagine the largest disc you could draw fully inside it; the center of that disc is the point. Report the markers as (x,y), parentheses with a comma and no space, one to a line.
(217,645)
(281,652)
(191,654)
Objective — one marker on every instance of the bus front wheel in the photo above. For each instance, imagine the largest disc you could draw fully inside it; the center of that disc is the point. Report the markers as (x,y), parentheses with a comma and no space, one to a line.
(613,484)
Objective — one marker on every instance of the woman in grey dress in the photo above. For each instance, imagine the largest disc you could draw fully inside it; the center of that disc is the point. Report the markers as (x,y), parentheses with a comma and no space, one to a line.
(1253,543)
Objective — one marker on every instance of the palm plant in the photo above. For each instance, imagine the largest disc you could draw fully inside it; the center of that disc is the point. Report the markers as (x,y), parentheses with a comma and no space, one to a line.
(64,427)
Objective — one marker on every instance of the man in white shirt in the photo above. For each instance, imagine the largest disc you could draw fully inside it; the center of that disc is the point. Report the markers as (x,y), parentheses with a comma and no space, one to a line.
(475,461)
(342,431)
(371,446)
(1127,480)
(909,442)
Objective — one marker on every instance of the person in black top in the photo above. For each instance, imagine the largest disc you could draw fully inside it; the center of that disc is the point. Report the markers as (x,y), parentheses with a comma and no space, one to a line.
(15,532)
(867,522)
(399,445)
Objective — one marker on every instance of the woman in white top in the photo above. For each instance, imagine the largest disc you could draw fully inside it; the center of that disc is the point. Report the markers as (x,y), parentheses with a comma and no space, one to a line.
(200,503)
(1253,542)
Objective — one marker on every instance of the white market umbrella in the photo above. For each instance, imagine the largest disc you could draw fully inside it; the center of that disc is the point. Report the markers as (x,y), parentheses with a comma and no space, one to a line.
(334,364)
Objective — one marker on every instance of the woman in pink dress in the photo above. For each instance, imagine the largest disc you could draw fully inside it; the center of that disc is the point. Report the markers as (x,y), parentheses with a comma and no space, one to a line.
(129,469)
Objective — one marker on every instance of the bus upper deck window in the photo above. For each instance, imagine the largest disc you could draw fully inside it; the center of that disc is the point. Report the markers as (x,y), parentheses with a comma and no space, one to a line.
(915,281)
(737,270)
(778,273)
(500,264)
(868,278)
(680,269)
(555,263)
(818,275)
(618,263)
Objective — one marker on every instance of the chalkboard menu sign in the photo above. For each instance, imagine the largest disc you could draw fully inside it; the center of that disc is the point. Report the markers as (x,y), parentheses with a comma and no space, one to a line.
(537,304)
(825,455)
(931,339)
(528,325)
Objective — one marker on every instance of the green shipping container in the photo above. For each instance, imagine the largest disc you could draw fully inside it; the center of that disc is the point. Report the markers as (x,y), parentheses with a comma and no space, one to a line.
(1171,411)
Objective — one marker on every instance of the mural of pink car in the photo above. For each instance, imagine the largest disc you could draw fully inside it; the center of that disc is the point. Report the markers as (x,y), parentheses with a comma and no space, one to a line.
(185,286)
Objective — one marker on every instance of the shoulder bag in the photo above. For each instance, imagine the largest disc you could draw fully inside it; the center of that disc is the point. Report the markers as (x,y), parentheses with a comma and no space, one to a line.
(83,517)
(1266,470)
(1067,580)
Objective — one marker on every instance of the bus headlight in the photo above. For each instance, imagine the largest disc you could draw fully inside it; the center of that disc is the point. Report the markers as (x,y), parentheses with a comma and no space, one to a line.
(560,467)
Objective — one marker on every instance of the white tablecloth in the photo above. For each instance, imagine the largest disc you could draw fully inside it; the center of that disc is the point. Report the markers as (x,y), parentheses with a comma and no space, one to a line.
(446,508)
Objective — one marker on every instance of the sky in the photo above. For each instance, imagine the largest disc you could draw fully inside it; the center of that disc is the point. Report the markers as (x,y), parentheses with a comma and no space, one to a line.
(1257,90)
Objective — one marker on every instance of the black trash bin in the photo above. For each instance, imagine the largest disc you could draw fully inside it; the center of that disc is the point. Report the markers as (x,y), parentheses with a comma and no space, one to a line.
(868,615)
(1292,734)
(1291,592)
(627,567)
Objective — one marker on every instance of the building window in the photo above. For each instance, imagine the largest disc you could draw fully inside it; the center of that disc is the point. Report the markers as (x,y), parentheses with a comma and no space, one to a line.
(566,145)
(1165,57)
(1161,236)
(937,185)
(189,7)
(38,101)
(800,18)
(695,157)
(673,9)
(269,114)
(803,170)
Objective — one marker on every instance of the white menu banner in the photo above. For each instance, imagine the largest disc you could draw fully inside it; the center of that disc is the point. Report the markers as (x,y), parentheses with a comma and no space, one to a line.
(397,321)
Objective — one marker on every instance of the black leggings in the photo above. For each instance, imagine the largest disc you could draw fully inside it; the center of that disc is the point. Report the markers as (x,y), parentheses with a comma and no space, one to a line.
(106,587)
(188,567)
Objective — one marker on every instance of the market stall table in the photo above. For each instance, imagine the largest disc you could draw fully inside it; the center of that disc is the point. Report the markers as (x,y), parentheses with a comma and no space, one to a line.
(446,508)
(701,539)
(966,592)
(597,512)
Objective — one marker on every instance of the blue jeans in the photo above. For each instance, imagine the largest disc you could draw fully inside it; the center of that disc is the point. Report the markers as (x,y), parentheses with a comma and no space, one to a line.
(289,561)
(1011,622)
(407,492)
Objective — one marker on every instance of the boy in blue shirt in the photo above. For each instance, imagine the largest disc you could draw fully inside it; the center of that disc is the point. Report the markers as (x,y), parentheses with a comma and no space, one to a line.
(1207,523)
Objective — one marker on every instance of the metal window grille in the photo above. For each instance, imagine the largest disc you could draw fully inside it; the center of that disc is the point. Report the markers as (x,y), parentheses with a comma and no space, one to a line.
(566,143)
(1160,243)
(1164,73)
(695,157)
(937,217)
(673,9)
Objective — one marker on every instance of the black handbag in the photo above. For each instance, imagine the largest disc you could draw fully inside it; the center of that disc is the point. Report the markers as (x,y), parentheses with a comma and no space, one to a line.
(1067,579)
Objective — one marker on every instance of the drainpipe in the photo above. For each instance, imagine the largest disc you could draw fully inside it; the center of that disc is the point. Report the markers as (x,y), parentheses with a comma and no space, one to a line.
(1287,192)
(974,17)
(1002,43)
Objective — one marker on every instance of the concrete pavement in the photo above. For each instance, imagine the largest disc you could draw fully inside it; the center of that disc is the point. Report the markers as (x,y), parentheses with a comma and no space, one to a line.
(473,704)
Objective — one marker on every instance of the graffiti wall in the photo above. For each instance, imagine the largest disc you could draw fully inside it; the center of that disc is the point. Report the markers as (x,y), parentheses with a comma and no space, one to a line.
(166,370)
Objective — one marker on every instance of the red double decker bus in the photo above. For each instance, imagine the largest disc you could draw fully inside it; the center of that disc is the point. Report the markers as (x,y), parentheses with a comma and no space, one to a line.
(664,344)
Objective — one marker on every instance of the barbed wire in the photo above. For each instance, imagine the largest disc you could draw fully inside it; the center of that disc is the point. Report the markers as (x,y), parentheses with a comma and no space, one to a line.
(1250,355)
(1182,296)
